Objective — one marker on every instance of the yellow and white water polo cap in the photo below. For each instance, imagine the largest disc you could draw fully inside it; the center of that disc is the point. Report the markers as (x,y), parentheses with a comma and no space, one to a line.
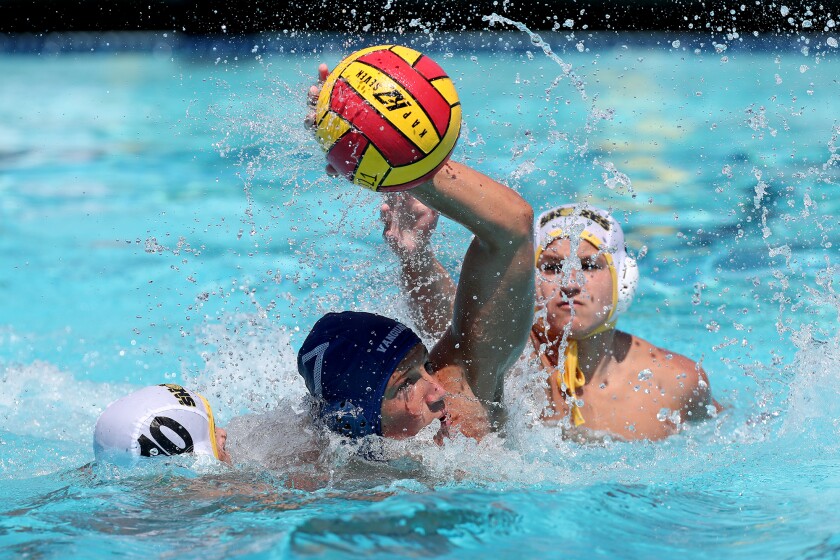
(156,421)
(598,227)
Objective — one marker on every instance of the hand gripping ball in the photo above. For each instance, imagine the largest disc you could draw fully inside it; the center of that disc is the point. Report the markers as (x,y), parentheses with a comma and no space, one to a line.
(388,118)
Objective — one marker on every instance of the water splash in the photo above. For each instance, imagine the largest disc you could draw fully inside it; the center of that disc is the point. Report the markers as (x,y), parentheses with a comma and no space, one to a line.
(613,179)
(41,403)
(567,69)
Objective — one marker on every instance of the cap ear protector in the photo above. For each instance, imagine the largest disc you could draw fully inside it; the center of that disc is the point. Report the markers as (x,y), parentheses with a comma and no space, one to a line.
(628,281)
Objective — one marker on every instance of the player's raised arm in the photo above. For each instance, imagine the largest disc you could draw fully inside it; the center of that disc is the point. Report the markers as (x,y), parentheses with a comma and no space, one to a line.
(399,388)
(494,301)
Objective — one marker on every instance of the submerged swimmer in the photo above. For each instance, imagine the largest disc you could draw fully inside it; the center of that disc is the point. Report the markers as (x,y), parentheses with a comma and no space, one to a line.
(601,379)
(156,421)
(369,374)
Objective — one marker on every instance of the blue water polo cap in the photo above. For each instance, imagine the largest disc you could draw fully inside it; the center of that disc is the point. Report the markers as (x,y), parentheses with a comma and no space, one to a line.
(346,362)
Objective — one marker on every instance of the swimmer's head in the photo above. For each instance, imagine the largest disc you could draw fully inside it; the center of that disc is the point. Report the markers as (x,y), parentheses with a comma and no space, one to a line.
(603,231)
(157,421)
(347,361)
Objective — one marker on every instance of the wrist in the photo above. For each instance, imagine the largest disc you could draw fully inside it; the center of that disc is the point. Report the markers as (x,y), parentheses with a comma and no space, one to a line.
(419,259)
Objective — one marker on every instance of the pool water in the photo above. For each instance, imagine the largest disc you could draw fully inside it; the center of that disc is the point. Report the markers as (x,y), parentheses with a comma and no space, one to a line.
(164,217)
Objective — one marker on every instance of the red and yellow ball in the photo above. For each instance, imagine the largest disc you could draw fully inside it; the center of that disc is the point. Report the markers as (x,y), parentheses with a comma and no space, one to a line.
(388,118)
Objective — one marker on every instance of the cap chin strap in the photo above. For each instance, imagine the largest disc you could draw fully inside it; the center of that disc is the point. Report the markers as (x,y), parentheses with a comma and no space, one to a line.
(211,422)
(571,379)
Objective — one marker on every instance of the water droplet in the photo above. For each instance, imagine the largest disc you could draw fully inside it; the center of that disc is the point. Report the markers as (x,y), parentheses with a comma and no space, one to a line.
(644,375)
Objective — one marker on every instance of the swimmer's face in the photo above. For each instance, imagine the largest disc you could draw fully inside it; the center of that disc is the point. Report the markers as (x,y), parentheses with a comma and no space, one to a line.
(221,441)
(413,398)
(568,291)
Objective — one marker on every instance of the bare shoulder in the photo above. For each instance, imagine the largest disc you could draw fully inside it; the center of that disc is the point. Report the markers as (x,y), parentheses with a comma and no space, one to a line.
(677,376)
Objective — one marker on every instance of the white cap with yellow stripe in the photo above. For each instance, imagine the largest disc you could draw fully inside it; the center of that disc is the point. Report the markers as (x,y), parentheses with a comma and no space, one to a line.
(156,421)
(598,227)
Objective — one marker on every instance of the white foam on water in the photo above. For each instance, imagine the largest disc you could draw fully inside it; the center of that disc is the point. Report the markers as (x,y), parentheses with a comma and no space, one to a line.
(813,412)
(40,400)
(48,418)
(250,376)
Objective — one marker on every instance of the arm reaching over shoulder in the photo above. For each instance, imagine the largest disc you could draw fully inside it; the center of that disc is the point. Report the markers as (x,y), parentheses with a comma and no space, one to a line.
(494,300)
(409,225)
(482,329)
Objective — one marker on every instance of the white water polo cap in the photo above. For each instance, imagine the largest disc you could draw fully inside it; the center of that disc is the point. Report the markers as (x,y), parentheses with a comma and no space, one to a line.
(599,228)
(156,421)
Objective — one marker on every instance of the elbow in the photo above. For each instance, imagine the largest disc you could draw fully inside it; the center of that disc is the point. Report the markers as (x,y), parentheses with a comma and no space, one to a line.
(520,225)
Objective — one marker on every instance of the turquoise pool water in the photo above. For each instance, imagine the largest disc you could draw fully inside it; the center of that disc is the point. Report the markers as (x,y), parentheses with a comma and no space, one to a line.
(164,217)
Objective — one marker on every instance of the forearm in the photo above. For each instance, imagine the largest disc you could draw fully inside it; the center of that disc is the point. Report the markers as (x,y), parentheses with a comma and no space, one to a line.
(494,301)
(494,213)
(430,292)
